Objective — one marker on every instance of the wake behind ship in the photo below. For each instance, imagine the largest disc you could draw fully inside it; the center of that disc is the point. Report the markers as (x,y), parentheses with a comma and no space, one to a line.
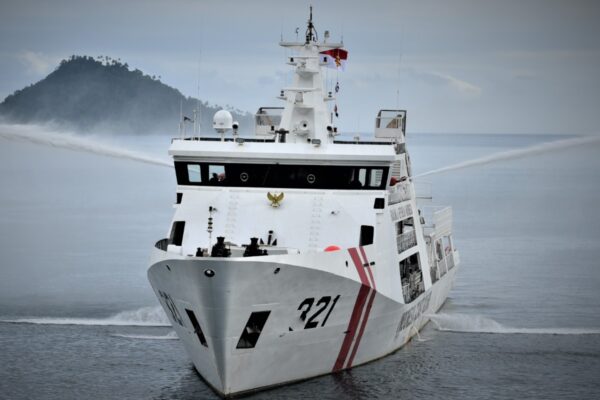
(295,253)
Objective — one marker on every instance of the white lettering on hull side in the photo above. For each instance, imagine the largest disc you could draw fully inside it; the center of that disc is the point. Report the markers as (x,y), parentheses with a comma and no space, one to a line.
(409,317)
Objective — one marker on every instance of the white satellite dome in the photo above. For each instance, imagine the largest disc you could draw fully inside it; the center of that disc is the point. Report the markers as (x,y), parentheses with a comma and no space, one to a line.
(222,121)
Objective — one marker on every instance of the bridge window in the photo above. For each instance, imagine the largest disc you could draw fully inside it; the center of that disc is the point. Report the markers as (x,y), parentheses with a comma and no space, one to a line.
(216,174)
(282,176)
(376,176)
(193,171)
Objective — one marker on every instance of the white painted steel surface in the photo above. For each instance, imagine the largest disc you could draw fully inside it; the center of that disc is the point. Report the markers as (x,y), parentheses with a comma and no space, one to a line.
(223,303)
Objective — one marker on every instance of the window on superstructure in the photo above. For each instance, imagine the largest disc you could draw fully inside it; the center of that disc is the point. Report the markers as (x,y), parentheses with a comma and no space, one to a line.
(411,277)
(406,238)
(282,176)
(376,177)
(405,226)
(439,253)
(447,245)
(362,176)
(216,174)
(194,173)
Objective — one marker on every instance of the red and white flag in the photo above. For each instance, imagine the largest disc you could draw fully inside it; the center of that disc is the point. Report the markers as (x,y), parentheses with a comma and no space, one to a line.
(335,58)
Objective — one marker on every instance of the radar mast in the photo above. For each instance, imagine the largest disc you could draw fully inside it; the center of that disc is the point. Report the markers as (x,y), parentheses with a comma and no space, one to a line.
(311,32)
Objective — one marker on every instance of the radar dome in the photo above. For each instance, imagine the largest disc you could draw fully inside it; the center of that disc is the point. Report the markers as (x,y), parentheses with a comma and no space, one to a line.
(222,121)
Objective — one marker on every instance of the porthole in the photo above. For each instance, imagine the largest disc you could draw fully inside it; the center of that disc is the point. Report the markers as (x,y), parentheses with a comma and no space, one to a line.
(244,177)
(311,178)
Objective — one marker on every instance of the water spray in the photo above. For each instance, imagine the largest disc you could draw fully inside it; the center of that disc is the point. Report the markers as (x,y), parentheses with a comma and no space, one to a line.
(515,154)
(39,135)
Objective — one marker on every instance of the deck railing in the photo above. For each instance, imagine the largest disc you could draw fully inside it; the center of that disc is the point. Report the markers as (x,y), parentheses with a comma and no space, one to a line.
(445,264)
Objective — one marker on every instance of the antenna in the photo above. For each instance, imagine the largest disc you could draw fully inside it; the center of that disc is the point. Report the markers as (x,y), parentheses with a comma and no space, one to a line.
(197,117)
(398,84)
(399,62)
(198,113)
(181,118)
(311,32)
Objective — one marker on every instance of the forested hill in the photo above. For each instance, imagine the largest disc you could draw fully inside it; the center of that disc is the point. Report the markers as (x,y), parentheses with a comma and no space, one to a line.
(104,95)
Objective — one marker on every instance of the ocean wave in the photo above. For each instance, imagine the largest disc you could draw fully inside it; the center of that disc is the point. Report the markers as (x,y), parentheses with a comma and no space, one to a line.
(145,316)
(480,324)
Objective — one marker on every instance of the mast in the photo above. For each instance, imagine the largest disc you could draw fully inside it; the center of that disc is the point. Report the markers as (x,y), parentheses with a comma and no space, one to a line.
(311,32)
(306,115)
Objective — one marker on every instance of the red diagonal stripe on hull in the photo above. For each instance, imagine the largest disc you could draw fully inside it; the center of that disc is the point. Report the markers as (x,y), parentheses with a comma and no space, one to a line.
(356,312)
(364,255)
(359,266)
(351,331)
(362,327)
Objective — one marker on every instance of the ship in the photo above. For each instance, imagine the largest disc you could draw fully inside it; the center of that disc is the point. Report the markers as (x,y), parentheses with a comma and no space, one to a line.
(297,251)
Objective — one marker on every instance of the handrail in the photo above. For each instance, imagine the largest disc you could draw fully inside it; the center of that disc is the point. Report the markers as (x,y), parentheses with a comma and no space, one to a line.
(227,139)
(363,142)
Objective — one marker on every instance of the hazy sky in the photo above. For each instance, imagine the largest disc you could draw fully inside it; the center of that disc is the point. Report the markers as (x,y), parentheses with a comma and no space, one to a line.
(524,66)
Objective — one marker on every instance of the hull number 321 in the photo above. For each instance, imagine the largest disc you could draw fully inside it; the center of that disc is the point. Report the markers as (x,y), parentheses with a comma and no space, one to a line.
(313,315)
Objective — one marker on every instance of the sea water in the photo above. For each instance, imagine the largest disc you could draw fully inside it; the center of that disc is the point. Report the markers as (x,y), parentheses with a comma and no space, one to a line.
(79,319)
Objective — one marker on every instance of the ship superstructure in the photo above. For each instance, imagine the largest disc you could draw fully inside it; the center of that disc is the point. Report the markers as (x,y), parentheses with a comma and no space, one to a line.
(295,253)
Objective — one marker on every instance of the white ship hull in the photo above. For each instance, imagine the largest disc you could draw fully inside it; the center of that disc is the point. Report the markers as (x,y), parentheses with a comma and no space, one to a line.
(359,326)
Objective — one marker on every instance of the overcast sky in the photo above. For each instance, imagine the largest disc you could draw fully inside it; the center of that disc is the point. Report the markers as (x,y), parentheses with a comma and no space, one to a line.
(524,66)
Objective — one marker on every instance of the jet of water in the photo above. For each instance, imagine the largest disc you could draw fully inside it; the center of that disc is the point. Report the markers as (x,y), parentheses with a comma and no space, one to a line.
(39,135)
(517,153)
(169,336)
(145,316)
(480,324)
